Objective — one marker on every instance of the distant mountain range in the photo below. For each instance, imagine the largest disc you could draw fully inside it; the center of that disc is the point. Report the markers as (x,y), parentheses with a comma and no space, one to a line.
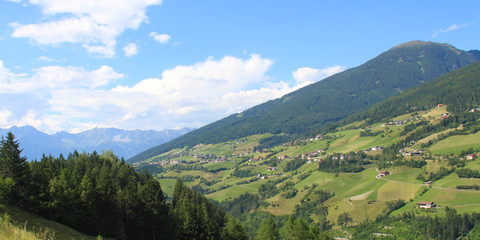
(123,143)
(308,110)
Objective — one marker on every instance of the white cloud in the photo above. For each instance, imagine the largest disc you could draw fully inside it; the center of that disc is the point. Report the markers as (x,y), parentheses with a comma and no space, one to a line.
(130,49)
(47,59)
(308,75)
(92,23)
(451,28)
(56,98)
(161,38)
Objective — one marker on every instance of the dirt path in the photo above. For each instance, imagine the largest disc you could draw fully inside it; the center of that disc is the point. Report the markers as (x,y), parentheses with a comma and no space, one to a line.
(362,196)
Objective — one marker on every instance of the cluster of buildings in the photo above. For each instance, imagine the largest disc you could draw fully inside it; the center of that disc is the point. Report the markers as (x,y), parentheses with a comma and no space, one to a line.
(261,176)
(310,154)
(400,122)
(413,153)
(167,162)
(376,148)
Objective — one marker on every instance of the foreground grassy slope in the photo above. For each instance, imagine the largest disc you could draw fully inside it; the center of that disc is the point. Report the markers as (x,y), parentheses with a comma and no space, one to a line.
(28,226)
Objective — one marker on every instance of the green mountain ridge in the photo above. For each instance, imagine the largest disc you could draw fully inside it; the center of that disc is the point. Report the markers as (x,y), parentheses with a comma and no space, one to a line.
(332,99)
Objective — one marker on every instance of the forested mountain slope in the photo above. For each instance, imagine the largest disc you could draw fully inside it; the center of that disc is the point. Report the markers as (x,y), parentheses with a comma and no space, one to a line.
(458,90)
(392,72)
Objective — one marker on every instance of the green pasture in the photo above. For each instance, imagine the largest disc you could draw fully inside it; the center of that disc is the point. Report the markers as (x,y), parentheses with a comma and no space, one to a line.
(168,184)
(281,206)
(212,166)
(231,192)
(404,174)
(456,144)
(316,177)
(397,190)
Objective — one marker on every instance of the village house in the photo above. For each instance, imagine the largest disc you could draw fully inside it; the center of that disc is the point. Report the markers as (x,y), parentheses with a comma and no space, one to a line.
(413,153)
(383,173)
(471,157)
(377,148)
(423,204)
(271,169)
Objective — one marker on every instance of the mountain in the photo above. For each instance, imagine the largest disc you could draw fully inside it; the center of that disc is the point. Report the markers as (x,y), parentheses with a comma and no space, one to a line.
(122,142)
(402,67)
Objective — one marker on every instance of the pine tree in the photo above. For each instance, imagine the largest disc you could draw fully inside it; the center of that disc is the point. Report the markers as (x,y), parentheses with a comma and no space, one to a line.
(14,166)
(268,230)
(233,230)
(288,229)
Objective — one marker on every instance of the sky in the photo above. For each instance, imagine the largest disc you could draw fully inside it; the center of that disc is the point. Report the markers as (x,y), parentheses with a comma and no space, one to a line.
(69,65)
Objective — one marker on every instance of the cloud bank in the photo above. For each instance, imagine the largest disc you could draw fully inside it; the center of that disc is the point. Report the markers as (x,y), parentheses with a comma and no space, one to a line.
(57,98)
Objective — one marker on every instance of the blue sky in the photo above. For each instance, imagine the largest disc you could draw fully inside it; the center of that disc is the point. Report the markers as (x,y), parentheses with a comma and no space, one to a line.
(68,65)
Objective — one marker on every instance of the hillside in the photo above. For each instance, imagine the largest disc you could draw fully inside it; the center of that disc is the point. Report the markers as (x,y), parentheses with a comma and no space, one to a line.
(16,223)
(458,90)
(123,142)
(429,152)
(332,99)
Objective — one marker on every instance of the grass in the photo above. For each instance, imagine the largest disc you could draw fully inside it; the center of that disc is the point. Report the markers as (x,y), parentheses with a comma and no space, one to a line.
(404,174)
(31,226)
(456,144)
(281,206)
(231,192)
(168,185)
(397,190)
(10,230)
(434,112)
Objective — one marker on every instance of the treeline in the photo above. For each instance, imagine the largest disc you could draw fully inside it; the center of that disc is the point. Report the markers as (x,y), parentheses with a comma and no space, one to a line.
(102,195)
(468,173)
(270,142)
(350,162)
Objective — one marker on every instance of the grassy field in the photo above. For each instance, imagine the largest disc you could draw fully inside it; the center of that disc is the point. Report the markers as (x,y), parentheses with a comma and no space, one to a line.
(456,144)
(231,192)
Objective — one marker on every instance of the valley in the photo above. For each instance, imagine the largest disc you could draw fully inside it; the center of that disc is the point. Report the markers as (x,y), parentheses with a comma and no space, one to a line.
(225,171)
(346,157)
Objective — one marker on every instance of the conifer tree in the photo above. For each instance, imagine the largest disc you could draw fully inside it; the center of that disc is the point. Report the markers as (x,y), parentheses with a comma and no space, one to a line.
(14,166)
(268,230)
(233,230)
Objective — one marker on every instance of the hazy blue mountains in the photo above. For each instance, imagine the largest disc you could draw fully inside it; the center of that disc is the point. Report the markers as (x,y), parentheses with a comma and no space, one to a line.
(122,142)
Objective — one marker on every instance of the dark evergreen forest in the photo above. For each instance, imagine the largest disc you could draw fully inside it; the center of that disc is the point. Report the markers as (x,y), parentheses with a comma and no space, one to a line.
(102,195)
